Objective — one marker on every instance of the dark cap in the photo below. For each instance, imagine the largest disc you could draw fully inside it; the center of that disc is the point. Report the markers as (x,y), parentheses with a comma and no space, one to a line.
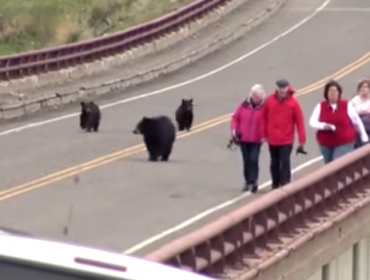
(282,83)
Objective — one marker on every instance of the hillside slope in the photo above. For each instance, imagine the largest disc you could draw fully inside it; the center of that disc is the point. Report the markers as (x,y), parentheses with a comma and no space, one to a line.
(32,24)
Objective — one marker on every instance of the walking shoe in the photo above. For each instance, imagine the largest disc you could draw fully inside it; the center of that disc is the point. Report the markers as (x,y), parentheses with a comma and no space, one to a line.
(246,187)
(254,188)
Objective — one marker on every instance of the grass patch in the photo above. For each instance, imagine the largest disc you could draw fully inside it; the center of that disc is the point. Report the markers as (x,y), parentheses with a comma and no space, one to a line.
(33,24)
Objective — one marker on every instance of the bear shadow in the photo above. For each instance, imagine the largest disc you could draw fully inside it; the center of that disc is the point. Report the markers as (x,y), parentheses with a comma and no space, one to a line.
(107,131)
(88,133)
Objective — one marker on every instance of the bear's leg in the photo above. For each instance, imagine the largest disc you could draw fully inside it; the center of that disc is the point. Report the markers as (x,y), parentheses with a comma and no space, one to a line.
(82,121)
(153,155)
(96,127)
(166,154)
(187,127)
(181,126)
(88,122)
(189,123)
(153,152)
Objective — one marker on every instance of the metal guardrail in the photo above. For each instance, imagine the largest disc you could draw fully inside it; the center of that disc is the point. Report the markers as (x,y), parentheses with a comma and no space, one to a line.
(250,238)
(51,59)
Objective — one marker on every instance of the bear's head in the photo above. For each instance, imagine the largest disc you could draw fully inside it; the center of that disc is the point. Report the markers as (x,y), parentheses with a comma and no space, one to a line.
(187,104)
(87,107)
(142,125)
(83,106)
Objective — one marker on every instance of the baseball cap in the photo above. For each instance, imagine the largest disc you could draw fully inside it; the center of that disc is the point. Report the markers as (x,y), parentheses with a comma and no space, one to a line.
(282,83)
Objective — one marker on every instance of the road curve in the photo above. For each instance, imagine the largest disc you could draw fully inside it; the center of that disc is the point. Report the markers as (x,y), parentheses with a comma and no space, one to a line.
(121,199)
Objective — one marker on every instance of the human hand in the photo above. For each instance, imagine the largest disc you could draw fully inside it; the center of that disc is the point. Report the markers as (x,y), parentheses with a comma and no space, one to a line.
(329,127)
(300,150)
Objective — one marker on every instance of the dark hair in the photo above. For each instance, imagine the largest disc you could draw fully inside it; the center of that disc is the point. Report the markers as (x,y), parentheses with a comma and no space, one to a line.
(362,82)
(332,83)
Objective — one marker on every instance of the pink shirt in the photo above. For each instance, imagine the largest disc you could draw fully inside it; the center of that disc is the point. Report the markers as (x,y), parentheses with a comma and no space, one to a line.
(363,109)
(362,106)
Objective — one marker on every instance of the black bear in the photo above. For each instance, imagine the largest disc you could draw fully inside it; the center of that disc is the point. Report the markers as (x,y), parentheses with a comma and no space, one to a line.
(159,135)
(90,116)
(185,115)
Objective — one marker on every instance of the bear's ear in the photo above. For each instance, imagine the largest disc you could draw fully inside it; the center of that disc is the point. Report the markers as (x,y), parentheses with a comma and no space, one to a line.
(144,118)
(183,101)
(191,100)
(82,103)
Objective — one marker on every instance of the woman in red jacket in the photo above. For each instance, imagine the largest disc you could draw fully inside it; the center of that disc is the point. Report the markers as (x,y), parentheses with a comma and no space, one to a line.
(337,123)
(245,124)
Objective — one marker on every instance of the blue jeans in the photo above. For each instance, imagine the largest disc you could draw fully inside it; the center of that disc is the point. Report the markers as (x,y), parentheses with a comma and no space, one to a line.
(330,154)
(251,154)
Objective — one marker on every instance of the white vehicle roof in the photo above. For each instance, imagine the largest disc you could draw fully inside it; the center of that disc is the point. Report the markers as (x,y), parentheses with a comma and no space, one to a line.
(71,258)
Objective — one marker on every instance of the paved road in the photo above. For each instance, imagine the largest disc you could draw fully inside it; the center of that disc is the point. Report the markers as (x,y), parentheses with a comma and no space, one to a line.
(124,202)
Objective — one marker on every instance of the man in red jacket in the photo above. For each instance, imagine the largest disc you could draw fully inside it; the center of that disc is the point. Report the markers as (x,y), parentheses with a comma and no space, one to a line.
(281,115)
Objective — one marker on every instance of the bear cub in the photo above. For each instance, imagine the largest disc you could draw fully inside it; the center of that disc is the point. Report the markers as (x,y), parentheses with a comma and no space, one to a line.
(159,135)
(90,116)
(185,115)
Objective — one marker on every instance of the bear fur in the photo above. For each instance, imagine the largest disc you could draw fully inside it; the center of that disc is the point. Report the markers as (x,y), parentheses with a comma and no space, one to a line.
(185,115)
(90,116)
(159,135)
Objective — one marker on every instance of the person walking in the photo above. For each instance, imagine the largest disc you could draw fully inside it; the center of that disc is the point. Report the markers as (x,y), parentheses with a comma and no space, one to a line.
(336,122)
(361,103)
(245,128)
(281,116)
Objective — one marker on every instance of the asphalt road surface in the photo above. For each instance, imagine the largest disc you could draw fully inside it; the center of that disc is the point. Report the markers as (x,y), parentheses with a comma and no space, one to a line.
(120,200)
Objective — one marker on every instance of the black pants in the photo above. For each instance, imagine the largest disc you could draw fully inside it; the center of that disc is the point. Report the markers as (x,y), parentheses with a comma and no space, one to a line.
(250,154)
(280,165)
(358,143)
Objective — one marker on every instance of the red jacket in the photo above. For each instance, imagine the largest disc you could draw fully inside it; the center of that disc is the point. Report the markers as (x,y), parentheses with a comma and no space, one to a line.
(345,133)
(279,119)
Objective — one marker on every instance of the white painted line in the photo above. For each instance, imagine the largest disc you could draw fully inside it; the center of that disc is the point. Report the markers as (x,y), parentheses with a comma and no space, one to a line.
(209,212)
(264,185)
(179,85)
(335,9)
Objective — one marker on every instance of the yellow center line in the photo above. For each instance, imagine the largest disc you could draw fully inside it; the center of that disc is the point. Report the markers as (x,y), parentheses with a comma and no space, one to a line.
(103,160)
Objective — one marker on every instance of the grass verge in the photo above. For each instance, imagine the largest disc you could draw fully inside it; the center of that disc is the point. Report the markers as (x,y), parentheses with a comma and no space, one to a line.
(33,24)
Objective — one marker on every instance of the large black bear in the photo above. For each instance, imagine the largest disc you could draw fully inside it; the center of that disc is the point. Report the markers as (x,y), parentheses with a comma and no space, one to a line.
(159,135)
(90,116)
(185,115)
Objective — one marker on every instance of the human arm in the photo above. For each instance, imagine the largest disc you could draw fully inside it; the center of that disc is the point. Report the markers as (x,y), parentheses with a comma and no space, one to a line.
(299,122)
(354,103)
(314,120)
(234,124)
(263,123)
(357,122)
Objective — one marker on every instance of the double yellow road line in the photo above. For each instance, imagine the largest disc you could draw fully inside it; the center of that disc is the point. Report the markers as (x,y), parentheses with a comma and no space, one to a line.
(77,169)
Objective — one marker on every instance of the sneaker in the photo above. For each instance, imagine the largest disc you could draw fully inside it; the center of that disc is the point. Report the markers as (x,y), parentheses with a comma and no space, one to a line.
(254,188)
(246,187)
